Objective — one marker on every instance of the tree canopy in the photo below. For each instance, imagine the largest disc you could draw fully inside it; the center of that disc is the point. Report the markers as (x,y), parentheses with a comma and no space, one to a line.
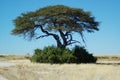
(58,21)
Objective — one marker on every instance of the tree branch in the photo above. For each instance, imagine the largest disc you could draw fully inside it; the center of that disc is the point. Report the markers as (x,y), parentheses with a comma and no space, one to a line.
(73,41)
(56,37)
(42,36)
(82,36)
(70,36)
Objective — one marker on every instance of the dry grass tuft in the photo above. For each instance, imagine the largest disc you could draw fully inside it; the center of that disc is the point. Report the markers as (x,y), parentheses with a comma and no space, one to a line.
(107,68)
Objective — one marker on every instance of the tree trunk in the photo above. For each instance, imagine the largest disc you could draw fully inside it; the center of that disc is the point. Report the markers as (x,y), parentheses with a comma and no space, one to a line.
(59,44)
(56,37)
(63,38)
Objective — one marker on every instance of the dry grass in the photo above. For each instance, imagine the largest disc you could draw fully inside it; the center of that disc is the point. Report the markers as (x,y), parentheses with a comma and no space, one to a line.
(13,57)
(107,68)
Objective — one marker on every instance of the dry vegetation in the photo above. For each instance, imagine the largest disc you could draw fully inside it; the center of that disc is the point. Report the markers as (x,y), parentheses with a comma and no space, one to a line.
(107,68)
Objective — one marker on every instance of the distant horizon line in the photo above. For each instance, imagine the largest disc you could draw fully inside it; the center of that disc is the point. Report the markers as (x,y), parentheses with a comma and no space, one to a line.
(97,54)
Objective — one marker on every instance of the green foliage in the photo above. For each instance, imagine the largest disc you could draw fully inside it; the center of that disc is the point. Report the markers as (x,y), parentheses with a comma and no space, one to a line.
(58,21)
(83,55)
(52,54)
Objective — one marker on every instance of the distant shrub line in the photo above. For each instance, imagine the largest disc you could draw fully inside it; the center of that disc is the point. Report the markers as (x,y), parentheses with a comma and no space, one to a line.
(52,54)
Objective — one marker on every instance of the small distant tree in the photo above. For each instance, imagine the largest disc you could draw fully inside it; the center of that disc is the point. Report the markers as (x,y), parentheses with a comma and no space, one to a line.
(57,21)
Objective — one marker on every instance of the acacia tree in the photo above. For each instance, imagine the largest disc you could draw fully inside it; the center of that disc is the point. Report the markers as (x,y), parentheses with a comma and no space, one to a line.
(58,21)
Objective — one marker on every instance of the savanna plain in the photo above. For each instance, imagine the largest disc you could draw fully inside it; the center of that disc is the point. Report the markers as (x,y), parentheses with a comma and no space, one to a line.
(20,68)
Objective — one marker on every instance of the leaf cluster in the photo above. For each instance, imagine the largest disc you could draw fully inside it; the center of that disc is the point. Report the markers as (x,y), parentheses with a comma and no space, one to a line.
(54,18)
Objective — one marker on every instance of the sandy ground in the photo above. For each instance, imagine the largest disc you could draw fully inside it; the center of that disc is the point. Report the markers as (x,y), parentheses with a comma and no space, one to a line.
(25,70)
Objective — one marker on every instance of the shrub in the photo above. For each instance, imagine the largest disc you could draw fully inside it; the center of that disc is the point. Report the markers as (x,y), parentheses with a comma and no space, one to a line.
(52,54)
(83,55)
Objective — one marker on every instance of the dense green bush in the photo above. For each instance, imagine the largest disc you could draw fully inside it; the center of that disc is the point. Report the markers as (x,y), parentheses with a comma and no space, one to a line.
(83,55)
(52,54)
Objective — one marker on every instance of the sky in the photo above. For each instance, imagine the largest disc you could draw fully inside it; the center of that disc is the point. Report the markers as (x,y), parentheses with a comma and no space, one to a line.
(105,41)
